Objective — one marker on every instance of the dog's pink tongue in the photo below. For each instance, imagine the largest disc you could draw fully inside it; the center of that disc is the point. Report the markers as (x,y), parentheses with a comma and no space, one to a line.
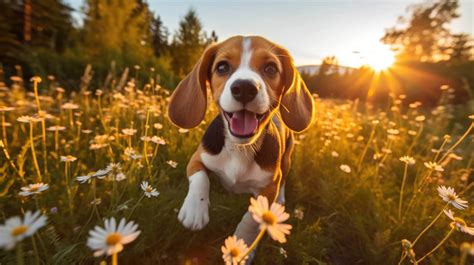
(243,123)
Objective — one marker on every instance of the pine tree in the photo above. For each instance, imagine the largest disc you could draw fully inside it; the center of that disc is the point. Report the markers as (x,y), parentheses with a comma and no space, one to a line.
(118,30)
(159,37)
(188,43)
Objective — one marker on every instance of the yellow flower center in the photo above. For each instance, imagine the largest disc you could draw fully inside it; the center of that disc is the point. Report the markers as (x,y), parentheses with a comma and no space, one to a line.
(34,188)
(234,252)
(19,230)
(269,218)
(148,189)
(113,239)
(451,197)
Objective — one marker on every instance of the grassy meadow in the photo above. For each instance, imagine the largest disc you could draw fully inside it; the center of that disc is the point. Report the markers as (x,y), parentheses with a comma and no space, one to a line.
(343,192)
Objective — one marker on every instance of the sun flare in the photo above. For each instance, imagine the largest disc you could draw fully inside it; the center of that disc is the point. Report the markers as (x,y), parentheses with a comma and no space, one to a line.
(380,59)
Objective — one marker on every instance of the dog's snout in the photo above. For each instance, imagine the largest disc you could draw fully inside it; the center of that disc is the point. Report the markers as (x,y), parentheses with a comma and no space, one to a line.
(244,90)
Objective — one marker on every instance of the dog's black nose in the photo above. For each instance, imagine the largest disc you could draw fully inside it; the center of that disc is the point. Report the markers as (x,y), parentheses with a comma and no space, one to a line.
(244,90)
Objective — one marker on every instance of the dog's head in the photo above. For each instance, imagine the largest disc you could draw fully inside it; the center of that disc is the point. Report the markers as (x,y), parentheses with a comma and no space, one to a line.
(250,79)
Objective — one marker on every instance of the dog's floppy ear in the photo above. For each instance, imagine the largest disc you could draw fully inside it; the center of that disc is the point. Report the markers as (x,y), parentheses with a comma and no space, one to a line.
(188,103)
(296,105)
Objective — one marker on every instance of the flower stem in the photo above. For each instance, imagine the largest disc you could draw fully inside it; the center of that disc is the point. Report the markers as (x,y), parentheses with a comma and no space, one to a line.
(415,140)
(405,171)
(440,149)
(254,244)
(4,129)
(35,85)
(145,146)
(402,258)
(114,258)
(35,249)
(66,172)
(135,206)
(33,152)
(430,225)
(19,254)
(7,155)
(56,141)
(458,142)
(437,246)
(366,148)
(45,157)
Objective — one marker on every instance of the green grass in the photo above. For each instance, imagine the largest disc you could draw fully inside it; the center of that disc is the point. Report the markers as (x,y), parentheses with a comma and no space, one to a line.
(349,218)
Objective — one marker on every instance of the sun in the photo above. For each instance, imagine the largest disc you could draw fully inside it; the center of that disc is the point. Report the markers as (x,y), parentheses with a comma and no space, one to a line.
(380,59)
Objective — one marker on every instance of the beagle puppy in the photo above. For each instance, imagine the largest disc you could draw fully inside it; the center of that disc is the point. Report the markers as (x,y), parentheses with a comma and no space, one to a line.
(262,100)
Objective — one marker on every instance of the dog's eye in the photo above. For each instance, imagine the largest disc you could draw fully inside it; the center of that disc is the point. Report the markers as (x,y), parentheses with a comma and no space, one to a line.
(270,69)
(223,68)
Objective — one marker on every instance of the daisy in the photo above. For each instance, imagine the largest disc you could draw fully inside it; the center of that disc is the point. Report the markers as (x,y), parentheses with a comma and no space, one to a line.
(6,109)
(434,166)
(129,131)
(110,239)
(68,158)
(15,230)
(130,153)
(420,118)
(35,79)
(56,128)
(145,138)
(120,176)
(28,119)
(393,131)
(84,179)
(270,218)
(234,250)
(113,172)
(408,160)
(181,130)
(149,190)
(33,189)
(299,213)
(449,195)
(459,223)
(345,168)
(69,106)
(334,154)
(101,173)
(158,126)
(158,140)
(172,163)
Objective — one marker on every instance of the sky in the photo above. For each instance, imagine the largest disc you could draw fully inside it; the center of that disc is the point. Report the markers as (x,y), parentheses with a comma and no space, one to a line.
(310,30)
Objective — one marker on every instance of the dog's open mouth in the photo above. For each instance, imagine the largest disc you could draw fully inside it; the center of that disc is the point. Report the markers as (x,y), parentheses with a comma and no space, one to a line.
(243,123)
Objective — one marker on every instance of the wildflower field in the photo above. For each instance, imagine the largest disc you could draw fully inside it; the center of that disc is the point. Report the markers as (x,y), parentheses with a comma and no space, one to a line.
(388,184)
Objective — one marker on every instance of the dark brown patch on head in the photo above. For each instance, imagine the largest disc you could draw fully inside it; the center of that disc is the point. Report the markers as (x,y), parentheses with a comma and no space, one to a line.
(230,52)
(266,62)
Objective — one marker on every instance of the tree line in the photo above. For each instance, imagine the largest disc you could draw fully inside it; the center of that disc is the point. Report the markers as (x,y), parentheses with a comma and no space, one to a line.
(40,37)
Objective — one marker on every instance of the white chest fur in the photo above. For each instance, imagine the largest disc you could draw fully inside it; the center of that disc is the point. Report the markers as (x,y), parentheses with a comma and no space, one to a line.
(237,169)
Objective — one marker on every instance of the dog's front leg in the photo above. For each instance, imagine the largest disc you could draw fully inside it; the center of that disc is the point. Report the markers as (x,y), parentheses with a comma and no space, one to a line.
(248,228)
(194,213)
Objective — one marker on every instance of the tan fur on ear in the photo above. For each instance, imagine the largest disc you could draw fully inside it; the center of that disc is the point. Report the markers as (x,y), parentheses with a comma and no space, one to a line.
(296,105)
(188,103)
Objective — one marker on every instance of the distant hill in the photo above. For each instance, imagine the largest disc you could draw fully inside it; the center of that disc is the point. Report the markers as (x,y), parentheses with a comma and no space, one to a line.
(312,69)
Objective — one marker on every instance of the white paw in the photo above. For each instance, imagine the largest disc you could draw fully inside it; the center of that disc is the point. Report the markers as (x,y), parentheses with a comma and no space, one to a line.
(194,213)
